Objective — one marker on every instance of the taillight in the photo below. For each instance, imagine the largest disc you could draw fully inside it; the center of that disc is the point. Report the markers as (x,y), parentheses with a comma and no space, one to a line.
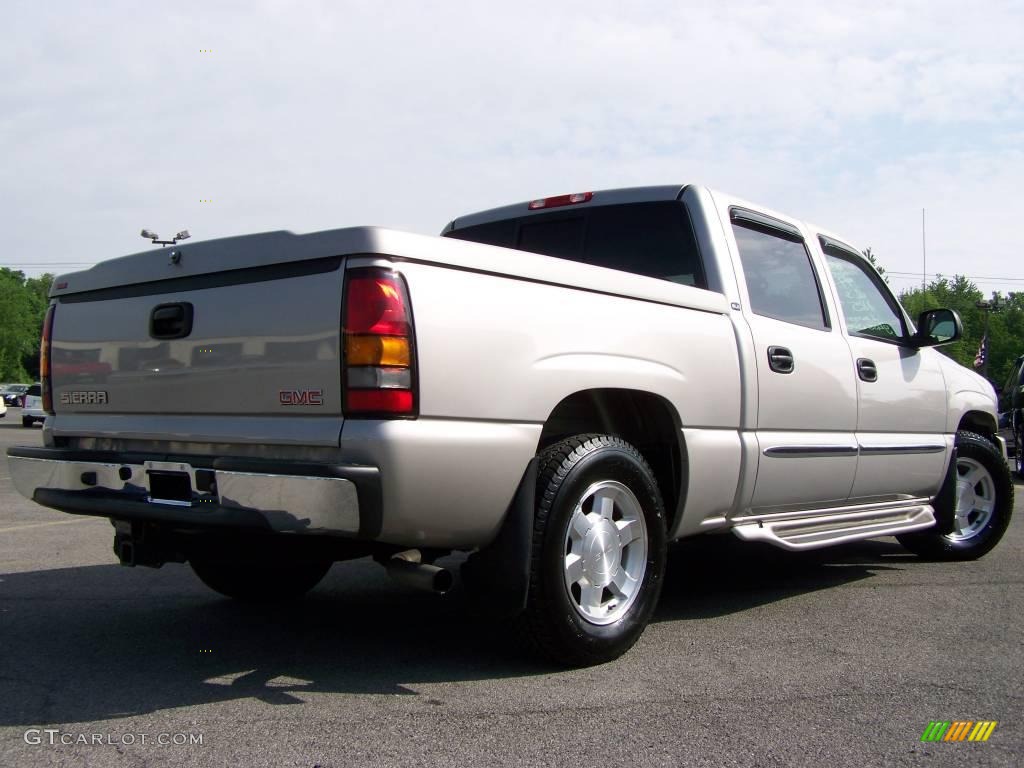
(379,357)
(44,360)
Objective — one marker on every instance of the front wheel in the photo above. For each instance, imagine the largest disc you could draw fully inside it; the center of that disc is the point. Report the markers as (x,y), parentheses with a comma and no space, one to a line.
(982,503)
(598,553)
(260,580)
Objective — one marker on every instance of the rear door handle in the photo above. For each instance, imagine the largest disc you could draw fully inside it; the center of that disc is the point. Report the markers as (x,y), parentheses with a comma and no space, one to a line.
(867,370)
(780,360)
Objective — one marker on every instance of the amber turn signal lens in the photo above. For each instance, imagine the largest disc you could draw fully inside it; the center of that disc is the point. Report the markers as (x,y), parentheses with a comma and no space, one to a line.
(377,350)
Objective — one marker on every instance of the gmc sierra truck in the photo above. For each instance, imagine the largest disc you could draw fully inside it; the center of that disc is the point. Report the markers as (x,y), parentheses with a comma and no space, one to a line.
(557,388)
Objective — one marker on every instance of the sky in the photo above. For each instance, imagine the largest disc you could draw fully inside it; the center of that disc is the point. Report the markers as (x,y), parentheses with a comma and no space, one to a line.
(229,118)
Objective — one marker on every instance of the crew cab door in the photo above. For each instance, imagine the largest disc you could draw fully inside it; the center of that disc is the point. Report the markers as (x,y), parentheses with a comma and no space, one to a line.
(901,389)
(806,389)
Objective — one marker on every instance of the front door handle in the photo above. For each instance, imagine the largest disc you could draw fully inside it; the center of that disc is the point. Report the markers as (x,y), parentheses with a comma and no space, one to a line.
(867,370)
(780,360)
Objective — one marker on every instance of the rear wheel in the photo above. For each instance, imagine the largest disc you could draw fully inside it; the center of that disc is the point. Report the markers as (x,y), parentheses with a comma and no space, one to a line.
(27,421)
(598,551)
(260,580)
(975,508)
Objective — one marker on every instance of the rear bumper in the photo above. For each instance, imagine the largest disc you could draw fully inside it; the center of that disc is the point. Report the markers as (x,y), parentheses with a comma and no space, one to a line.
(234,492)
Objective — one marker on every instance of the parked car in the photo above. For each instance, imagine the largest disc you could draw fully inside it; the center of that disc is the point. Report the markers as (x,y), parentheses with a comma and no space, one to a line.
(1011,405)
(32,408)
(13,394)
(3,408)
(557,388)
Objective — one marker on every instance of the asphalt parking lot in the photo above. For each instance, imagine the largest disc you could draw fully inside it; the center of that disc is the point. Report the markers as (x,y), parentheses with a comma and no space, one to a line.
(756,657)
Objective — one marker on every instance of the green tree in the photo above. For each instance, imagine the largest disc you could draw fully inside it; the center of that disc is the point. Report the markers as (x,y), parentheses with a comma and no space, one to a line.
(1005,327)
(23,305)
(870,256)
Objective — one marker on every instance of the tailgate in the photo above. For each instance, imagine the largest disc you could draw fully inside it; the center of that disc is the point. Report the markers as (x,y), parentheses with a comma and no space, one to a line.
(257,340)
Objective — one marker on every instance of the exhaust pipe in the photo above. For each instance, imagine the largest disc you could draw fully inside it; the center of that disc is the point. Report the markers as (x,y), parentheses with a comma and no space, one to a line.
(406,568)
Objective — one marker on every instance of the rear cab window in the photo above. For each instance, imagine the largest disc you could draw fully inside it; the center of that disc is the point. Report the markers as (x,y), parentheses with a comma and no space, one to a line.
(654,239)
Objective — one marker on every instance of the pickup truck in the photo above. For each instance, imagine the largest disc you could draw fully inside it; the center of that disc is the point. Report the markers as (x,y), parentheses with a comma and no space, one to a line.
(552,390)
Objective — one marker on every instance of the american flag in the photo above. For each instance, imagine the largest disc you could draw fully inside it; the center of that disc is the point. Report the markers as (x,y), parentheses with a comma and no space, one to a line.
(979,359)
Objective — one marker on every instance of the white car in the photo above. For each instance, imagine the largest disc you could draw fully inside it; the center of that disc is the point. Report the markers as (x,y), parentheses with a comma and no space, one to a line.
(3,408)
(32,406)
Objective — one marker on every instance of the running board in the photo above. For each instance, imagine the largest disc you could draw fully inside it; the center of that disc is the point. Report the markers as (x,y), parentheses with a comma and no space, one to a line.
(823,529)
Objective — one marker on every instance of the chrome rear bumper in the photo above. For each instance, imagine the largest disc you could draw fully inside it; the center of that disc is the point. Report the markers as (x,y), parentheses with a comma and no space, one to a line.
(198,491)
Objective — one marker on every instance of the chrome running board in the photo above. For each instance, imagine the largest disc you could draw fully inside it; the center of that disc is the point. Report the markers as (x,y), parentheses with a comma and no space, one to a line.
(823,528)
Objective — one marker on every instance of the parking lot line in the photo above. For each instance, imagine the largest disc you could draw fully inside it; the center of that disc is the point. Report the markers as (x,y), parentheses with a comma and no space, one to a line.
(44,525)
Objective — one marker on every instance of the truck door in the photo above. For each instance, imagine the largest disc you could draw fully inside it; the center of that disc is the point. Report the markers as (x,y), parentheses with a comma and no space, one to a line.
(901,390)
(806,388)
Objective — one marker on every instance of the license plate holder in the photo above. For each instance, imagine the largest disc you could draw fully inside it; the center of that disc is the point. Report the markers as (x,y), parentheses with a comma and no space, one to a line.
(169,486)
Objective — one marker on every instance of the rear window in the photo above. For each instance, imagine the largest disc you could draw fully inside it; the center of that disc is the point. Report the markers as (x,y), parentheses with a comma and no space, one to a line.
(651,239)
(34,391)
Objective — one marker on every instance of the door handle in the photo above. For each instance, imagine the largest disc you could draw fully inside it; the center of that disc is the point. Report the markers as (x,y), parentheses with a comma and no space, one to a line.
(780,360)
(171,321)
(867,370)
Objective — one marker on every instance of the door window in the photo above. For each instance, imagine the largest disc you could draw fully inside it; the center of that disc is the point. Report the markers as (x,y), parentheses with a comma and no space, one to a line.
(868,308)
(780,279)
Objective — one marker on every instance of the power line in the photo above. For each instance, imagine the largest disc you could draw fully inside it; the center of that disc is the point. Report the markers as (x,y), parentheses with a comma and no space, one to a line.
(956,274)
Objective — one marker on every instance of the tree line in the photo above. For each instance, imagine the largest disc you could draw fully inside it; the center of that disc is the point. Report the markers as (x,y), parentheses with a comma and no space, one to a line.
(23,302)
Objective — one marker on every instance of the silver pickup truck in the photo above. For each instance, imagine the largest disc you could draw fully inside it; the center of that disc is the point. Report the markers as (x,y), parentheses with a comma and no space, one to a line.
(558,388)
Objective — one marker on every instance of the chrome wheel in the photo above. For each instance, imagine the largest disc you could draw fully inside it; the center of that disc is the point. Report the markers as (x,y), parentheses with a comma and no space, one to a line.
(605,552)
(975,499)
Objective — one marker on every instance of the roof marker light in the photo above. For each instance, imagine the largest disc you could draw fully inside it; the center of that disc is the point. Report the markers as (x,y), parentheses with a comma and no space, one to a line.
(560,200)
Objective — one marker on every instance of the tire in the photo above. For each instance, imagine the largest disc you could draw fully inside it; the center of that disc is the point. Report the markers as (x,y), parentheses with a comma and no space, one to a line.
(974,513)
(592,592)
(27,421)
(260,581)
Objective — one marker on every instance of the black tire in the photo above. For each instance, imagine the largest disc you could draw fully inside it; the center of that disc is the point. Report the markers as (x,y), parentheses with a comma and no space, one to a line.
(27,421)
(942,542)
(260,580)
(554,623)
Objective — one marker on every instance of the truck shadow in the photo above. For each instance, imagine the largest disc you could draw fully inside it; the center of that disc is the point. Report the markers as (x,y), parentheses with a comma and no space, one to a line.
(714,576)
(101,642)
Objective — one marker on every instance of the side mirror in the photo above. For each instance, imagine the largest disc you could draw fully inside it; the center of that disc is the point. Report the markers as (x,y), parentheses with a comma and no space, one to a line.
(936,327)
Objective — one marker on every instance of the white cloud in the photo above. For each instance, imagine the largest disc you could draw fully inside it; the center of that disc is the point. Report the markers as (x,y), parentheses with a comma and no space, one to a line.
(321,115)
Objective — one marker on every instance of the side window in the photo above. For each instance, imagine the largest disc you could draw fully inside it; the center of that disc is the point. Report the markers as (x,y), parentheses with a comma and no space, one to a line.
(779,276)
(868,308)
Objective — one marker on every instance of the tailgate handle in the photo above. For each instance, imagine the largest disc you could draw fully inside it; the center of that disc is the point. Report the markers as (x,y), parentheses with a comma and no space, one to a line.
(171,321)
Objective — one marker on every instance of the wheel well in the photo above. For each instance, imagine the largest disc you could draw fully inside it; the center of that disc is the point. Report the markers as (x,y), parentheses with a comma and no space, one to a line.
(647,421)
(980,422)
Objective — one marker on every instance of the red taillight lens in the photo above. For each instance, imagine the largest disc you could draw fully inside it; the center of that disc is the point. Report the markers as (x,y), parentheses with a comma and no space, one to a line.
(380,400)
(378,368)
(44,360)
(375,306)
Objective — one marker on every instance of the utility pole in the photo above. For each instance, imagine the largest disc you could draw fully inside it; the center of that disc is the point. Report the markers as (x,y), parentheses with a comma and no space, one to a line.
(924,254)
